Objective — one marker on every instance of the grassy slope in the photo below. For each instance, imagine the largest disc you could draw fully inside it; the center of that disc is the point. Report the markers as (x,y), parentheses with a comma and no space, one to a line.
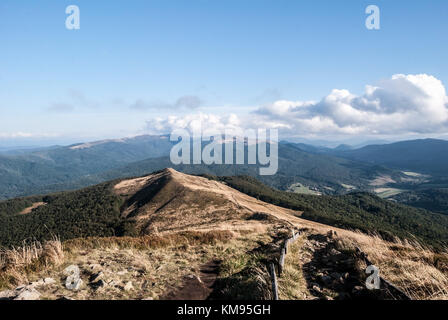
(95,211)
(358,210)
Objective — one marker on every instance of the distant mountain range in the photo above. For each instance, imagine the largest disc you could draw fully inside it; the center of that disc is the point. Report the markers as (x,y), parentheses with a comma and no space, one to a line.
(427,156)
(390,169)
(57,168)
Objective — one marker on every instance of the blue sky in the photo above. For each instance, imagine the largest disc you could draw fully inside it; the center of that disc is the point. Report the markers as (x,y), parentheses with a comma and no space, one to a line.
(134,61)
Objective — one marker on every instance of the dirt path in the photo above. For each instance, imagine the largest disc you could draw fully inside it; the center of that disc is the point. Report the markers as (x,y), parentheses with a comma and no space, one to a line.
(197,287)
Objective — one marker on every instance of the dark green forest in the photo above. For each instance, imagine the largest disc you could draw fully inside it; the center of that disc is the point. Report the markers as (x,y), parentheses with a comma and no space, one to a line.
(435,200)
(93,211)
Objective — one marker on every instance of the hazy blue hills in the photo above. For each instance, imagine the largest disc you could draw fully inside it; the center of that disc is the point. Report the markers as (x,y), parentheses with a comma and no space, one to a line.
(424,156)
(58,168)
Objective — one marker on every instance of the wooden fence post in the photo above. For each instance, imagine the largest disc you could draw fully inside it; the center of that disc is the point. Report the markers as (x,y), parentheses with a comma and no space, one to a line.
(274,282)
(281,262)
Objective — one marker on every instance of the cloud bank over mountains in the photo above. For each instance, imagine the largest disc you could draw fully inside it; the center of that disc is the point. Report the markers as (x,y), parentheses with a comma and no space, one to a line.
(403,104)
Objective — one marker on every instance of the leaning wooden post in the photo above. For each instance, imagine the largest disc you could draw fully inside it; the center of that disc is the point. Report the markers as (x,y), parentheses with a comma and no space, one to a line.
(286,246)
(281,262)
(274,282)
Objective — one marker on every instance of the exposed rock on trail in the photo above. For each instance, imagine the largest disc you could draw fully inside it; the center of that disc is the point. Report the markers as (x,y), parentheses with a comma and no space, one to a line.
(197,287)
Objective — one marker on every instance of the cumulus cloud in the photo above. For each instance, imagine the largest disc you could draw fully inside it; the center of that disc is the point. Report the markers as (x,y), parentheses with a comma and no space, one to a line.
(208,124)
(403,104)
(400,105)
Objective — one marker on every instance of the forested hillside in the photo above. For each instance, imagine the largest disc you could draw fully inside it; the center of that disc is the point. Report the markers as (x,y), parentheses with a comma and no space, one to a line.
(93,211)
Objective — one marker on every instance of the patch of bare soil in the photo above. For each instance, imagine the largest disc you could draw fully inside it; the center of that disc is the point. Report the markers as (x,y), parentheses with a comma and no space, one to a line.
(197,287)
(31,208)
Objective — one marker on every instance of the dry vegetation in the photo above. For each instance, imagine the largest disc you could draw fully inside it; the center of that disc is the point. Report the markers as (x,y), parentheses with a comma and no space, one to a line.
(419,271)
(292,283)
(153,264)
(17,264)
(188,221)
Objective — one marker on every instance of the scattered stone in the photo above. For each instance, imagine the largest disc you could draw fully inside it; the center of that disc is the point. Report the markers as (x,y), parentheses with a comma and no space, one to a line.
(195,277)
(28,294)
(7,294)
(122,273)
(37,283)
(42,282)
(128,286)
(48,281)
(112,283)
(317,288)
(98,284)
(96,276)
(334,252)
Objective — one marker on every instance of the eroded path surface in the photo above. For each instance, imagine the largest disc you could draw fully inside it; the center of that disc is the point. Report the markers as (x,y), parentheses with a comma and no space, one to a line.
(197,287)
(319,267)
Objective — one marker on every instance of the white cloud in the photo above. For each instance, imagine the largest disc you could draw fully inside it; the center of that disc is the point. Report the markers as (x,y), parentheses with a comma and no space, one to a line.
(400,105)
(403,104)
(207,123)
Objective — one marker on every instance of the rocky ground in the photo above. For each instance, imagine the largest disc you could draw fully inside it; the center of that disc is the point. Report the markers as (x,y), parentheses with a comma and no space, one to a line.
(322,270)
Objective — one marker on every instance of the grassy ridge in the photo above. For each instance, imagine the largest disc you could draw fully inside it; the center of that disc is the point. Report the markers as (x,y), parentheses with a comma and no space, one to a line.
(359,210)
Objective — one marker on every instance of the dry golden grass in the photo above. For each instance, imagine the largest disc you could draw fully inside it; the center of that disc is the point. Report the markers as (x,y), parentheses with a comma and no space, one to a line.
(417,270)
(17,264)
(292,284)
(185,238)
(154,264)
